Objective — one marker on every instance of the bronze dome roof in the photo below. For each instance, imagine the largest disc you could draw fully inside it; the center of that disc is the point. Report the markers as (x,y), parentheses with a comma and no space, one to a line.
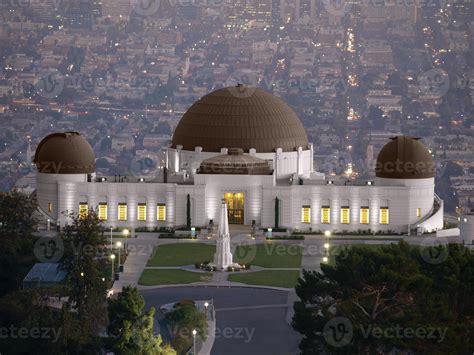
(241,117)
(235,163)
(405,158)
(65,153)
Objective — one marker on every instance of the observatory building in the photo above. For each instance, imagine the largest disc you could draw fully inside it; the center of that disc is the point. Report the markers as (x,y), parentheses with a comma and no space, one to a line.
(248,147)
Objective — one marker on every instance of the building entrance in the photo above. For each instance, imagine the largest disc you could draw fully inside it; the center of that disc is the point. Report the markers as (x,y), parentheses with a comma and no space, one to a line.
(235,207)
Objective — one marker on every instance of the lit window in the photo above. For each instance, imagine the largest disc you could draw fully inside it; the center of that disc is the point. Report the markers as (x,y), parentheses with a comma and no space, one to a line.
(50,207)
(306,214)
(141,212)
(161,212)
(364,215)
(103,211)
(326,215)
(418,212)
(384,215)
(345,215)
(122,212)
(83,210)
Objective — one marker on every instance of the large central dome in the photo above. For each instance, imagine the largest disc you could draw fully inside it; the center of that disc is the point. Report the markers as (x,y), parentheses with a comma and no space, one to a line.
(240,117)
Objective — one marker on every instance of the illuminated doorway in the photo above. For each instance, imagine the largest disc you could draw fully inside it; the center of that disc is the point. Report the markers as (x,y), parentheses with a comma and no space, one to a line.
(235,207)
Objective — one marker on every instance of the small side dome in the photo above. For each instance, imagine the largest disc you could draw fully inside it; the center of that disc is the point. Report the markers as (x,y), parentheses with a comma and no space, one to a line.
(235,163)
(65,153)
(405,158)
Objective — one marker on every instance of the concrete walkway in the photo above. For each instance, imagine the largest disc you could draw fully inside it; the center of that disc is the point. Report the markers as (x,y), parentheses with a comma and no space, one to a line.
(140,250)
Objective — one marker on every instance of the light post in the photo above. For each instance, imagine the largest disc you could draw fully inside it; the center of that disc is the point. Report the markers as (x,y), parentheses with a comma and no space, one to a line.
(125,233)
(112,257)
(111,238)
(119,246)
(194,341)
(326,246)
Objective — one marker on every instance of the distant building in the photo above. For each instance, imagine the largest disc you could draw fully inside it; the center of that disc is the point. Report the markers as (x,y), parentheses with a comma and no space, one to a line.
(306,9)
(78,13)
(116,10)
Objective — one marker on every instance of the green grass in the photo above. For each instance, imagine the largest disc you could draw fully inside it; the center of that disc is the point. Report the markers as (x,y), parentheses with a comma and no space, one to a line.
(154,277)
(286,279)
(270,255)
(181,254)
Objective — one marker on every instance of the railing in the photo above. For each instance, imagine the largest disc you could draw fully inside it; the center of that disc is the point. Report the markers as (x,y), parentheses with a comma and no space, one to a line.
(437,202)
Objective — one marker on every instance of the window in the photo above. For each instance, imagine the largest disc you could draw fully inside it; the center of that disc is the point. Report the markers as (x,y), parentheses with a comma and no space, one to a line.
(384,215)
(161,212)
(345,215)
(326,215)
(83,210)
(103,211)
(418,212)
(306,214)
(141,216)
(364,215)
(50,207)
(122,212)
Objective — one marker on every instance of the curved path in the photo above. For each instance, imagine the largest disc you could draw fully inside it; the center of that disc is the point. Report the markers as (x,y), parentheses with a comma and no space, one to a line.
(249,321)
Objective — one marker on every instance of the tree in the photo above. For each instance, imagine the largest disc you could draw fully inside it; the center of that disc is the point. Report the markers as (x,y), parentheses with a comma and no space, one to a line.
(16,241)
(182,321)
(84,261)
(131,329)
(26,309)
(357,305)
(188,212)
(16,214)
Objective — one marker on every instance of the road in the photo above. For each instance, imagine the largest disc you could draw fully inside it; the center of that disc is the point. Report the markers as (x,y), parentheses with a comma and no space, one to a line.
(249,321)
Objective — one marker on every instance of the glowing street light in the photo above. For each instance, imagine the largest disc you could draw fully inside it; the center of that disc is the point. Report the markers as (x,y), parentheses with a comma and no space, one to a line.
(126,232)
(112,257)
(194,341)
(327,233)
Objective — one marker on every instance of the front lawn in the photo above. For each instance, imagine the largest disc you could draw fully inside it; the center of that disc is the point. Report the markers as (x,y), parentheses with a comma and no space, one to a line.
(154,277)
(275,278)
(181,254)
(270,255)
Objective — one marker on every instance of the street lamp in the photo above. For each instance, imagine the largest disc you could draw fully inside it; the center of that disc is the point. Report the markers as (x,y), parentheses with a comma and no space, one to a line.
(194,341)
(111,238)
(119,246)
(125,233)
(112,257)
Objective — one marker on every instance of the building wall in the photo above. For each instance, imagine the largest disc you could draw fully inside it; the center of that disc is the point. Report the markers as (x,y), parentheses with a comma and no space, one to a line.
(285,164)
(402,197)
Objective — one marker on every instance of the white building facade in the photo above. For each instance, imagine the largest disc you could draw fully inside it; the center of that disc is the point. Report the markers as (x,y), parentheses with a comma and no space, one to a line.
(265,175)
